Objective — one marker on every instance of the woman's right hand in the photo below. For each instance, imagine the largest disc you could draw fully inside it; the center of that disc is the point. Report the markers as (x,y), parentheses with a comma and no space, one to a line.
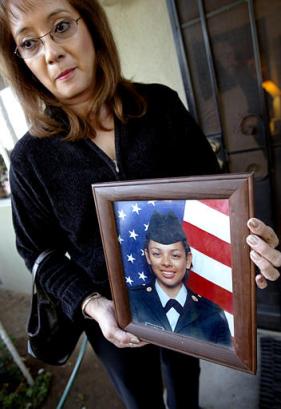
(102,310)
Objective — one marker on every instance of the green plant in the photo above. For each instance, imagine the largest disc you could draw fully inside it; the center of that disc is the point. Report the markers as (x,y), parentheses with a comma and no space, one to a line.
(24,396)
(15,393)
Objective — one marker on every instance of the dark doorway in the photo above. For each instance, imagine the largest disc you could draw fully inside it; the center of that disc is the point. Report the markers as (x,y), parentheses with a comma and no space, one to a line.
(230,58)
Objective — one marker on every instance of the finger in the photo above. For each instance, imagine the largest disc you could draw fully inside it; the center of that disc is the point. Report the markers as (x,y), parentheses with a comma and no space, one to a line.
(266,268)
(256,226)
(140,344)
(261,281)
(121,338)
(133,338)
(130,344)
(264,249)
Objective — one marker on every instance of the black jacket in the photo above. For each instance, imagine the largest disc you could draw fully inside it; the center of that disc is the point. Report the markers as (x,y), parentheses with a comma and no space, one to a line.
(201,318)
(52,199)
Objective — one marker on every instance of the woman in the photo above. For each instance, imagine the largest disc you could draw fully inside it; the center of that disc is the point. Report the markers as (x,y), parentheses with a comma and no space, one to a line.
(166,303)
(88,125)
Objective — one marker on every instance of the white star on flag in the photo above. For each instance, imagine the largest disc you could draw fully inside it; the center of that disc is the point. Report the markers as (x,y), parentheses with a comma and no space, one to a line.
(120,239)
(136,208)
(142,276)
(146,226)
(131,258)
(142,252)
(121,214)
(129,280)
(152,202)
(133,234)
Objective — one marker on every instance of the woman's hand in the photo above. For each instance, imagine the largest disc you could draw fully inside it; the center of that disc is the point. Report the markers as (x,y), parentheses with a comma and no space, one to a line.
(263,241)
(102,310)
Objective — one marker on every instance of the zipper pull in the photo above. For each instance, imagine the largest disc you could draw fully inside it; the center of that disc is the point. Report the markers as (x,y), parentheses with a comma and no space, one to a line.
(116,165)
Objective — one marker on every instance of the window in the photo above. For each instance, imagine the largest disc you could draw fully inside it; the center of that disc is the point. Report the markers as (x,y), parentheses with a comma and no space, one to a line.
(13,125)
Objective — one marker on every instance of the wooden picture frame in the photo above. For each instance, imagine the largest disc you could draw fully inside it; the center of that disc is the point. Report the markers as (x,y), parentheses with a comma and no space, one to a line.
(216,210)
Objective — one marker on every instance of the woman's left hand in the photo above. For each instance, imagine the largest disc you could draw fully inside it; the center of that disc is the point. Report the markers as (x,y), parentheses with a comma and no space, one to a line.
(263,241)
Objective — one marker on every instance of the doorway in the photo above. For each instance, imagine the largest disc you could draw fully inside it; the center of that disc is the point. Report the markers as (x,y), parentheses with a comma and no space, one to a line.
(230,58)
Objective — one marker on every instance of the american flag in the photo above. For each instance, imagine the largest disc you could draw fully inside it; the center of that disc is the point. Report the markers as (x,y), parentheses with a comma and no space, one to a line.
(207,227)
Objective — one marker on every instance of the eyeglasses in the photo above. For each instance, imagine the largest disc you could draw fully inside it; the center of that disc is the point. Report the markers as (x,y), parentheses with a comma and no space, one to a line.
(61,31)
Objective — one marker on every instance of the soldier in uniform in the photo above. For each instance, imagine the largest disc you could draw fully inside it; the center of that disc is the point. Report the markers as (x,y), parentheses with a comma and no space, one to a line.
(167,303)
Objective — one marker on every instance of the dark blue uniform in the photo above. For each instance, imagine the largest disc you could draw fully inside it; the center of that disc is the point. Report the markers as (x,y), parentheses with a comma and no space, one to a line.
(200,318)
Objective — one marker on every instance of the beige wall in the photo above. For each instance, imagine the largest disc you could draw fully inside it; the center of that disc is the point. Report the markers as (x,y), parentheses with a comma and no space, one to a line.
(145,41)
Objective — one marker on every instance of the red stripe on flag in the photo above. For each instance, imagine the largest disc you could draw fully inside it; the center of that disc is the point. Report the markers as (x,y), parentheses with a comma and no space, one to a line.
(222,205)
(211,291)
(208,244)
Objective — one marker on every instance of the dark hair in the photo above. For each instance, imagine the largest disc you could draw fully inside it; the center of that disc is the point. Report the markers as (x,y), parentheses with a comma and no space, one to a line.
(38,103)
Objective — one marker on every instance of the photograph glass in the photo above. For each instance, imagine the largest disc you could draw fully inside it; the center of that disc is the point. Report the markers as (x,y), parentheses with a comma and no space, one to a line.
(190,260)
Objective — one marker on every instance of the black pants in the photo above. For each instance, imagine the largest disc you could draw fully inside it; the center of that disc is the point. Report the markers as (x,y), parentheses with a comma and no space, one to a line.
(138,374)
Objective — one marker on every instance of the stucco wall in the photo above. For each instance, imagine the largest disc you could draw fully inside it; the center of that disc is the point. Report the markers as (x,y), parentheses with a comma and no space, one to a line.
(145,41)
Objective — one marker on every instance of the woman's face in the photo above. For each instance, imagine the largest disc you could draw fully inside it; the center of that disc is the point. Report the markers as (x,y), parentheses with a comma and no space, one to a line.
(66,69)
(168,262)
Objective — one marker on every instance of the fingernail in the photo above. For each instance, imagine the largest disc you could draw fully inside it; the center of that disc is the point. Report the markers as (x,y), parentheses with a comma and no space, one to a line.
(134,340)
(252,240)
(254,255)
(261,282)
(253,223)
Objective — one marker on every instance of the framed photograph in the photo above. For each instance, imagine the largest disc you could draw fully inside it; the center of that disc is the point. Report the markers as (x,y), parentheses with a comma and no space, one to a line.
(178,263)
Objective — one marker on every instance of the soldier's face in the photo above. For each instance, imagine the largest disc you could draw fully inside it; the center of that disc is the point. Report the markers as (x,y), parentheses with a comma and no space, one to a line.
(168,262)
